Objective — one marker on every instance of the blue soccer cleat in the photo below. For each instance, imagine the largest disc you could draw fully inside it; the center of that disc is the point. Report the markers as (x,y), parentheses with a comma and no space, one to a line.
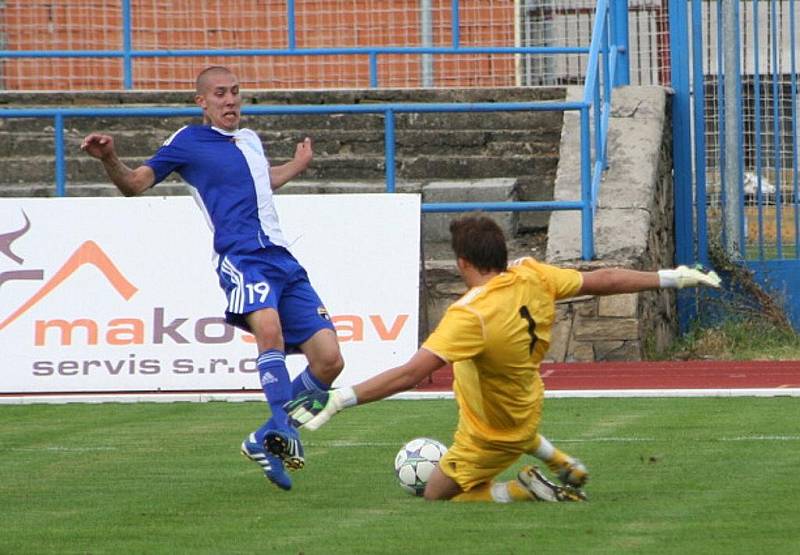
(287,446)
(269,463)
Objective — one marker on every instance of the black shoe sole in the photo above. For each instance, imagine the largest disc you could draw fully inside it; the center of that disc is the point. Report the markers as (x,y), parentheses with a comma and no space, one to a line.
(276,445)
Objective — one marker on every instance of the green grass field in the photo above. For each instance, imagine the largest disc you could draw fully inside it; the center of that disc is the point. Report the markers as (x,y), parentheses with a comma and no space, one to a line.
(695,475)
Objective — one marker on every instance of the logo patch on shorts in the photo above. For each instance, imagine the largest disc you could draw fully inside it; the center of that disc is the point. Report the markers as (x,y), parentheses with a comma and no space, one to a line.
(323,312)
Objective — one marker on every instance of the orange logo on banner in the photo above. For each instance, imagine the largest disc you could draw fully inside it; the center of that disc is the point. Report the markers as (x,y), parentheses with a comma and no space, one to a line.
(88,253)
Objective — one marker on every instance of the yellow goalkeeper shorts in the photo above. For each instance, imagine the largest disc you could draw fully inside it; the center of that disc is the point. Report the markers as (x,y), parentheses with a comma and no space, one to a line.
(471,461)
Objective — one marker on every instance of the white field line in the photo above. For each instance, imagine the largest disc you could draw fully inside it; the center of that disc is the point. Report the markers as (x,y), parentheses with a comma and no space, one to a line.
(408,395)
(345,444)
(64,449)
(349,444)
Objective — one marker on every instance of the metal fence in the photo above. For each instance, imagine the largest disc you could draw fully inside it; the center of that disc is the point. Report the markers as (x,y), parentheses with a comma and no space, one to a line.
(568,22)
(736,136)
(141,44)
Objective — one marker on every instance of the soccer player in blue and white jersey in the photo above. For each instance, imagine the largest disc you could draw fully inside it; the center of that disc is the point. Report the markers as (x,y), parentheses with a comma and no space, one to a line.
(268,291)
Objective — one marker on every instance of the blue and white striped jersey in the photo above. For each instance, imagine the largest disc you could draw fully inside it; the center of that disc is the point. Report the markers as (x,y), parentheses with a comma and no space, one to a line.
(229,176)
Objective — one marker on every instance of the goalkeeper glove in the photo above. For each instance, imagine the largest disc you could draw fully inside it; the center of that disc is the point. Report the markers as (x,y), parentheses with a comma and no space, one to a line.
(683,276)
(314,408)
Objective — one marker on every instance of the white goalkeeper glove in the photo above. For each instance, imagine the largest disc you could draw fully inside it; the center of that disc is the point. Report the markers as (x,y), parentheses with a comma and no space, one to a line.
(683,276)
(314,408)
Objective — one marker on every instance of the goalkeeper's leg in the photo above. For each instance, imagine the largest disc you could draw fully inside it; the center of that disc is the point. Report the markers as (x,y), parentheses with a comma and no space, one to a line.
(530,485)
(542,489)
(569,470)
(468,470)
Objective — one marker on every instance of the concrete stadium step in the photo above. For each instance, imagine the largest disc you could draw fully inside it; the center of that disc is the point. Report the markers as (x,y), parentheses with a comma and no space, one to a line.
(432,191)
(89,189)
(347,146)
(311,123)
(473,167)
(282,143)
(286,96)
(82,168)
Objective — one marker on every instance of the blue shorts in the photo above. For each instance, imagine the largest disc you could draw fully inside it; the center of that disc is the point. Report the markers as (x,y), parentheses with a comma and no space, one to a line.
(272,278)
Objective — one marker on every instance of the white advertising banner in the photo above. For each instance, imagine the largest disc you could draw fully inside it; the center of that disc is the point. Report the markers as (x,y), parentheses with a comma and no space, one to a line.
(120,294)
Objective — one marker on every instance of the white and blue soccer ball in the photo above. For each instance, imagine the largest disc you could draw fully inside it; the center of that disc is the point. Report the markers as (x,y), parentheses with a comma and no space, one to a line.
(415,461)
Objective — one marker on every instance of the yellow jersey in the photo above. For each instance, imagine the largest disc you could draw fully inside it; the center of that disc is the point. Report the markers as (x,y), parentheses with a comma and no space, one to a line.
(496,336)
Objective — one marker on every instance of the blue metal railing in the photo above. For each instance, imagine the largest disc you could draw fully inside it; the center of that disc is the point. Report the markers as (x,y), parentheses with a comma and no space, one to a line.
(371,52)
(128,54)
(764,116)
(607,65)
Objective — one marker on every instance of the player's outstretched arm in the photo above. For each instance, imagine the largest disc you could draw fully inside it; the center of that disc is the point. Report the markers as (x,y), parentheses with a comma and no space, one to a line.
(312,410)
(129,182)
(280,175)
(611,281)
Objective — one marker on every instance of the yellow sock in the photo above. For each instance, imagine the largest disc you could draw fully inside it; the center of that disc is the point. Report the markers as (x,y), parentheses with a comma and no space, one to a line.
(559,460)
(480,493)
(518,492)
(500,492)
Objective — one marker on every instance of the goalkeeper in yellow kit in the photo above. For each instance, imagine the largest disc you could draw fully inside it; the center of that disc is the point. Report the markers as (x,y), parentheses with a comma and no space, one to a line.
(496,336)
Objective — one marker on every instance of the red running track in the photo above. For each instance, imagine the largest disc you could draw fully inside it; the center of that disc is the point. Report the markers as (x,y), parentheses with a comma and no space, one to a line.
(692,374)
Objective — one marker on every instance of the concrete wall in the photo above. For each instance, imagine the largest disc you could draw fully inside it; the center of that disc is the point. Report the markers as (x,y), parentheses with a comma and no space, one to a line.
(633,229)
(633,226)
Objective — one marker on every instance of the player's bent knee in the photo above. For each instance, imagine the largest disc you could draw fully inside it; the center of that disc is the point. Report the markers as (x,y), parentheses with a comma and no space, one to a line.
(336,364)
(434,496)
(327,368)
(440,487)
(269,337)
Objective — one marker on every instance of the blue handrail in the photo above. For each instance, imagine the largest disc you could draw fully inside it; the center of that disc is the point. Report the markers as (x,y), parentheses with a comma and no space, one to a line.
(372,54)
(348,50)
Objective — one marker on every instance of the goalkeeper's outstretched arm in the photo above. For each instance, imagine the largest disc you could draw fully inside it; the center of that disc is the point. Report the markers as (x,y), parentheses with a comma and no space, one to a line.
(312,410)
(400,378)
(612,281)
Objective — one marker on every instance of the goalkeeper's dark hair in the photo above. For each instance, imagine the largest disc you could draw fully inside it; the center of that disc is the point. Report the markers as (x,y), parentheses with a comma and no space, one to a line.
(480,241)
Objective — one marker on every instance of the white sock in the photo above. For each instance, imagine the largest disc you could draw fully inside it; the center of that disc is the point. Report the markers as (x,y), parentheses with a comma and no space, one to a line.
(500,493)
(545,451)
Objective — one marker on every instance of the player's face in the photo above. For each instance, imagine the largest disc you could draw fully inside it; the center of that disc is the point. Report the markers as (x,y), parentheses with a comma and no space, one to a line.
(221,101)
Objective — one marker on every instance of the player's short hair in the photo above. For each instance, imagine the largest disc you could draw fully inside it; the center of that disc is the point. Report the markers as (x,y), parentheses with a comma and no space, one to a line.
(202,77)
(480,241)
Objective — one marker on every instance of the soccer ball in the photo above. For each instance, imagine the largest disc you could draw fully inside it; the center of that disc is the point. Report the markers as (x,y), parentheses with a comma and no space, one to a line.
(415,461)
